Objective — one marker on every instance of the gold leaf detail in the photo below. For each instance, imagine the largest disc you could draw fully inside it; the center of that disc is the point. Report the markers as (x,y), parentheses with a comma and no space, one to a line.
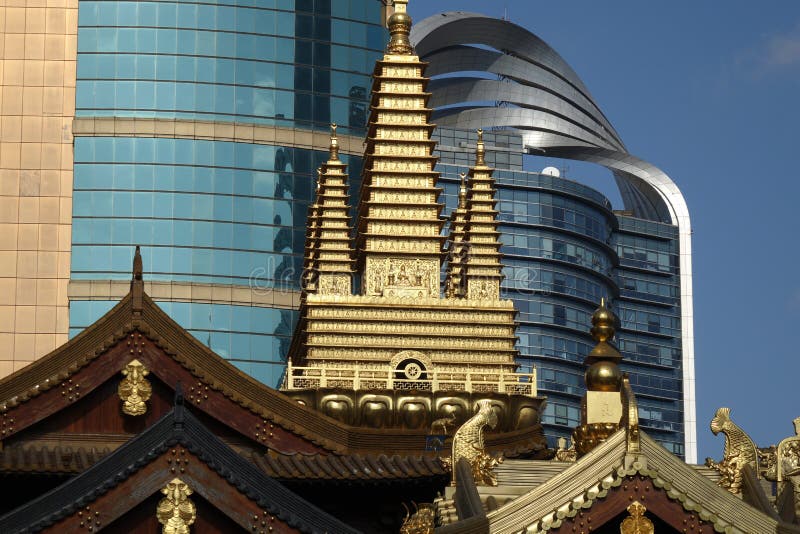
(175,511)
(134,390)
(636,523)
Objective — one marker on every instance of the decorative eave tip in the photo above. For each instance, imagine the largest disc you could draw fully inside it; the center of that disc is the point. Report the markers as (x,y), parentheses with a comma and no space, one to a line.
(399,25)
(137,282)
(334,146)
(137,264)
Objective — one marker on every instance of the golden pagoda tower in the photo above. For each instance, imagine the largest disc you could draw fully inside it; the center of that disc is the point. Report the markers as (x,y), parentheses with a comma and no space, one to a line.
(399,325)
(455,286)
(483,267)
(329,254)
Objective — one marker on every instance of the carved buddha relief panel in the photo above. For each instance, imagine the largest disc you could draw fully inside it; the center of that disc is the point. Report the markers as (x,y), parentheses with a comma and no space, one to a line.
(401,277)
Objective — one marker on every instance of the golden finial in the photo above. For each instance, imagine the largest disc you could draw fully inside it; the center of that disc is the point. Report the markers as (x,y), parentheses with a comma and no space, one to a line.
(462,191)
(480,151)
(602,323)
(603,373)
(334,147)
(399,24)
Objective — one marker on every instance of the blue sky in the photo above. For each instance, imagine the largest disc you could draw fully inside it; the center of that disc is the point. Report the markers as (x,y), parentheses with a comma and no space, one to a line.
(708,92)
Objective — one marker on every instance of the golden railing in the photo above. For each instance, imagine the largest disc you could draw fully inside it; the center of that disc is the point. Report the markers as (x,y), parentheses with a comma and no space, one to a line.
(359,378)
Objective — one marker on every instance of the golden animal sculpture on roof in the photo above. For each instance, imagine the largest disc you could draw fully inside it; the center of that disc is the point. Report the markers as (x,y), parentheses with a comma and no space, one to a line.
(423,521)
(784,464)
(468,444)
(739,451)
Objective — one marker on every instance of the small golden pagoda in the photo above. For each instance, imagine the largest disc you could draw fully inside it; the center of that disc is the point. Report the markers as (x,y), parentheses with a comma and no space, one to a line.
(400,327)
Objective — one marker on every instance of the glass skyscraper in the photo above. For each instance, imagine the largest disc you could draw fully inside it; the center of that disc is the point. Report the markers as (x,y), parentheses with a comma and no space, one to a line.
(195,138)
(564,249)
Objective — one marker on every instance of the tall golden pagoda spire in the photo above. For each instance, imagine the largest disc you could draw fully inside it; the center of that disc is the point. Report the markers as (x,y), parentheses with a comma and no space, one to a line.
(398,327)
(399,225)
(602,408)
(484,272)
(334,259)
(457,247)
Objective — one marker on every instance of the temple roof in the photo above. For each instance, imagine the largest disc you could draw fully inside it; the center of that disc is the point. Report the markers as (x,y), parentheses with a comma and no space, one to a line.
(57,367)
(353,467)
(58,459)
(564,490)
(43,388)
(177,428)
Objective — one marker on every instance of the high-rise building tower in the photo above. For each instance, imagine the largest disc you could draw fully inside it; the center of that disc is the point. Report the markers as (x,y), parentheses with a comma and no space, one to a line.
(197,134)
(564,247)
(37,102)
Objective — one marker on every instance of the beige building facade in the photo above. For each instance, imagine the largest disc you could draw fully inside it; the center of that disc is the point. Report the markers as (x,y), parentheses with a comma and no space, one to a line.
(38,46)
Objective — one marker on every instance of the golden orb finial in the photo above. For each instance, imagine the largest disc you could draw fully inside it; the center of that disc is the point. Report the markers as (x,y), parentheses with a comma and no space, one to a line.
(603,322)
(399,24)
(334,147)
(480,152)
(603,373)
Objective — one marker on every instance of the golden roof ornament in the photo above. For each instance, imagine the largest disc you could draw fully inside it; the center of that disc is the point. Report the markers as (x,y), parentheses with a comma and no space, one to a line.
(175,511)
(602,406)
(739,451)
(462,191)
(603,373)
(636,522)
(399,24)
(334,146)
(468,444)
(134,390)
(423,521)
(787,463)
(480,151)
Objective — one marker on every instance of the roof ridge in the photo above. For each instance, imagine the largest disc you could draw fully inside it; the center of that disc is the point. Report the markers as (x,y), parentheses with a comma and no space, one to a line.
(145,448)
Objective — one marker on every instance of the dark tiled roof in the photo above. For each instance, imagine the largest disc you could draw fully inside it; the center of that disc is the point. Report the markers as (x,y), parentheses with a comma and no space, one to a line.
(45,459)
(176,427)
(349,467)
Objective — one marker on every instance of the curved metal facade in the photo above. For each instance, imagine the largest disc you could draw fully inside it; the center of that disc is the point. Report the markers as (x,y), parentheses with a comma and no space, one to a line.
(532,91)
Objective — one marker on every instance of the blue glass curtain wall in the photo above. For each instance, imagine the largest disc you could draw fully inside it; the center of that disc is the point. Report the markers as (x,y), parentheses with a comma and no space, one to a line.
(204,211)
(292,64)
